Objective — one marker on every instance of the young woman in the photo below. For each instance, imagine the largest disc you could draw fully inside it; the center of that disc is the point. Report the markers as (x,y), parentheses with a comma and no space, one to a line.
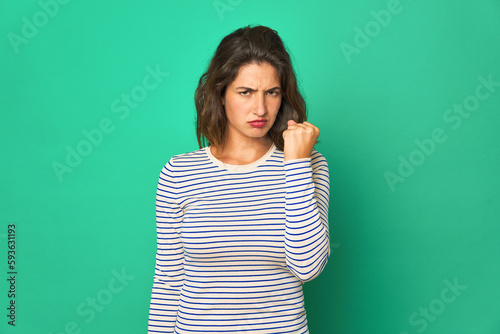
(242,222)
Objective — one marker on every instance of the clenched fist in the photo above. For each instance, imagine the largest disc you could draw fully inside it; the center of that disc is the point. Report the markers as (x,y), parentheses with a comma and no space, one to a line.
(299,140)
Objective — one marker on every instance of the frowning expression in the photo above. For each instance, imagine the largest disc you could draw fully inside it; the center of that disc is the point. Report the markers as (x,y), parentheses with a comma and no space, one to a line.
(252,102)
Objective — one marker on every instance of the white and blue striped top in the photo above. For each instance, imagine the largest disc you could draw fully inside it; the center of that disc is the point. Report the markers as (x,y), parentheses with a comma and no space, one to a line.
(236,243)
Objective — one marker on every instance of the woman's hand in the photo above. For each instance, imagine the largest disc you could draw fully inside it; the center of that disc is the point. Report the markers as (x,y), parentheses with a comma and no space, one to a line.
(299,140)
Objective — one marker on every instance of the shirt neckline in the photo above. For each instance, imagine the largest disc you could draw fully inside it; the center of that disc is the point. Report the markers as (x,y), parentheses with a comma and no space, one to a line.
(240,168)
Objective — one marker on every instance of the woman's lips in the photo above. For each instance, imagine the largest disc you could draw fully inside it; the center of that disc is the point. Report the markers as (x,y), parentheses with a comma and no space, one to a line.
(258,123)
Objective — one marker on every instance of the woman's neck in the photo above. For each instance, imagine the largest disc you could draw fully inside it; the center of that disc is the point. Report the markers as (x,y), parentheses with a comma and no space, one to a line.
(242,152)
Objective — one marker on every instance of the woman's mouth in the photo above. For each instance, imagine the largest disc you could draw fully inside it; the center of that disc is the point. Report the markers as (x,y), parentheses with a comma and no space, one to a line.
(258,123)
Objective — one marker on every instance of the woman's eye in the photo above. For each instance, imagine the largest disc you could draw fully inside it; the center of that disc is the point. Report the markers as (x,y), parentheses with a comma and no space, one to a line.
(273,92)
(244,92)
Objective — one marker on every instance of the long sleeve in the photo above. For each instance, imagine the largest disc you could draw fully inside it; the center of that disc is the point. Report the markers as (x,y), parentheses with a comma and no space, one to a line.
(169,270)
(307,245)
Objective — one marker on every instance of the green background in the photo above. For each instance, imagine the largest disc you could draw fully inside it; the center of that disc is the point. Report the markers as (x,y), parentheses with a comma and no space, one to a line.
(394,248)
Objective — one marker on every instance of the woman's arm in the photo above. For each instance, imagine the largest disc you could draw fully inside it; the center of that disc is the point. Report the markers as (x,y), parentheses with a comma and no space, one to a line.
(307,245)
(169,270)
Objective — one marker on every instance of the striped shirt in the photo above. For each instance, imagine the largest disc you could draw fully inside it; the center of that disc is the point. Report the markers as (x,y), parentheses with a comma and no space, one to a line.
(235,243)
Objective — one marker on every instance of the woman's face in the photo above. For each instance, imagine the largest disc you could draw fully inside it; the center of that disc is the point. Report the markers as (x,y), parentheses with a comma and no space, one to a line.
(252,102)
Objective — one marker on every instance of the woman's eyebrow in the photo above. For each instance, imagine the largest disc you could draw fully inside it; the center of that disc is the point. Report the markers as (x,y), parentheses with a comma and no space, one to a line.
(253,90)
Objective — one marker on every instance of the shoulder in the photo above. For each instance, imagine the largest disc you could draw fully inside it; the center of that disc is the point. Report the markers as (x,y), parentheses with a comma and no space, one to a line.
(188,158)
(318,160)
(187,162)
(321,173)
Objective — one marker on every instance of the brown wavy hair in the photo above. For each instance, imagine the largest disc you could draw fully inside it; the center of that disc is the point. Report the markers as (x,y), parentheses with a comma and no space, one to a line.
(244,46)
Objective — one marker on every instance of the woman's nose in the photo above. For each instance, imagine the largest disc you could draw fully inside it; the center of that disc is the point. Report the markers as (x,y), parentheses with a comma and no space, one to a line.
(260,104)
